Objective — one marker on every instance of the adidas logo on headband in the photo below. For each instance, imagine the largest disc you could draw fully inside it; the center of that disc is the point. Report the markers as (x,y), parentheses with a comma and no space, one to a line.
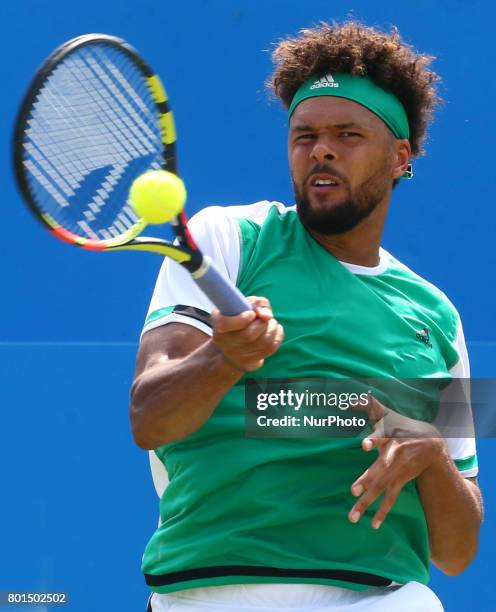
(325,81)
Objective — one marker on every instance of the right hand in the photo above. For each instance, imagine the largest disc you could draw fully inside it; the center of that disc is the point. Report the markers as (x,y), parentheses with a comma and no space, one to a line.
(247,339)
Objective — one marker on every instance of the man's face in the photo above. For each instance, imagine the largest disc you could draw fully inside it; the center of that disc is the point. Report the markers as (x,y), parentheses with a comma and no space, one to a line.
(341,160)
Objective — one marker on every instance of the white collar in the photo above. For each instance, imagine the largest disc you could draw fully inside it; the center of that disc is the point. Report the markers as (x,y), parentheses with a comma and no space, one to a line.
(381,267)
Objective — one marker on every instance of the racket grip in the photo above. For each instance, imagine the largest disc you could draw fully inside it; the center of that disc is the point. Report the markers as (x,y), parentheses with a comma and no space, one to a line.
(228,298)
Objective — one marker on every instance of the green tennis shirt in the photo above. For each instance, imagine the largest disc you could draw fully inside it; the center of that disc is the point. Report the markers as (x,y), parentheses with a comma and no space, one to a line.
(247,510)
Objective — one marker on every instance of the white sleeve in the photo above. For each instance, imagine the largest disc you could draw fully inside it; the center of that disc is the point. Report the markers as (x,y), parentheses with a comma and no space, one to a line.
(462,449)
(176,297)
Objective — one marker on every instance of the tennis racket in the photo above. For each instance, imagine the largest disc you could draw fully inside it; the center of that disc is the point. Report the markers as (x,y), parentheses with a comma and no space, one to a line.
(94,118)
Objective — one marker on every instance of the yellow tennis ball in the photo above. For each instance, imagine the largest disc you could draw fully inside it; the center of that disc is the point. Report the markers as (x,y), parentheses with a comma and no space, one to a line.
(157,196)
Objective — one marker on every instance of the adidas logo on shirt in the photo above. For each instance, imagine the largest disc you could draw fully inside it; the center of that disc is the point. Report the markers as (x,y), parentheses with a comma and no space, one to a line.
(423,336)
(325,81)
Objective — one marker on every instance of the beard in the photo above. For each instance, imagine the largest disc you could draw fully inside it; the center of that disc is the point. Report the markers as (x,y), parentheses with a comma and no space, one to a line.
(342,216)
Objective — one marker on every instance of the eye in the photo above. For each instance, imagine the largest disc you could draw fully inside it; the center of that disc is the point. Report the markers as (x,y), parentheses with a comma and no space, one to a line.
(350,135)
(304,136)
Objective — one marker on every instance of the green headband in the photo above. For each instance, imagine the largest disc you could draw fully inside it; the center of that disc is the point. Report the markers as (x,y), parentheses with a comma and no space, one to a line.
(360,89)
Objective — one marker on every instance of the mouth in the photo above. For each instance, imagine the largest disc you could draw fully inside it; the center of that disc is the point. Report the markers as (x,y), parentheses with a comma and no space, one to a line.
(323,182)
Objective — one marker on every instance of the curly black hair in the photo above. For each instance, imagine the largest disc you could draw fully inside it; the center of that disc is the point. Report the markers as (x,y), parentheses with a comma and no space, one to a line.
(357,49)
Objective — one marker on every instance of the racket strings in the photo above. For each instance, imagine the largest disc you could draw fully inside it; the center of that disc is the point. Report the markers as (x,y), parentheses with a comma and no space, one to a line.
(124,120)
(119,121)
(92,130)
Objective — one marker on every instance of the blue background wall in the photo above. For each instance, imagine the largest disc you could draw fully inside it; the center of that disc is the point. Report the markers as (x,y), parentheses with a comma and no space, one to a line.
(78,502)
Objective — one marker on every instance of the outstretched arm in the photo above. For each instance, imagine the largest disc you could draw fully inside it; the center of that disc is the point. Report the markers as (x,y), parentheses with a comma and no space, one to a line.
(182,374)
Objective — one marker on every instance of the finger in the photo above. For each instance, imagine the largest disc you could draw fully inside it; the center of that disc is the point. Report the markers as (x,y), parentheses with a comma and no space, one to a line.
(223,324)
(273,329)
(261,306)
(259,301)
(371,494)
(373,473)
(260,333)
(266,343)
(360,484)
(256,330)
(377,471)
(388,502)
(264,313)
(377,477)
(278,340)
(274,340)
(247,349)
(375,439)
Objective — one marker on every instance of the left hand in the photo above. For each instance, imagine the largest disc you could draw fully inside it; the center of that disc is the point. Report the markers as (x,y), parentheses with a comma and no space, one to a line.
(406,448)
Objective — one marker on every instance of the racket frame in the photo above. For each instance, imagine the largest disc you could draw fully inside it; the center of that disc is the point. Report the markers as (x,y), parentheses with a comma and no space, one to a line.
(211,281)
(168,137)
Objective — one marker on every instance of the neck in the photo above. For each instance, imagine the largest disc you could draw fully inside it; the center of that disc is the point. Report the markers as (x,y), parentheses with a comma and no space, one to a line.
(359,246)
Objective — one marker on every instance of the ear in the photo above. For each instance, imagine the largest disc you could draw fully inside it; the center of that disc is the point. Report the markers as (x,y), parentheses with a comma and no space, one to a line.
(401,159)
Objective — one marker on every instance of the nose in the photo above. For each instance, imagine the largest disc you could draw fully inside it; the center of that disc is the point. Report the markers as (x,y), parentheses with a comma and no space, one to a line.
(323,151)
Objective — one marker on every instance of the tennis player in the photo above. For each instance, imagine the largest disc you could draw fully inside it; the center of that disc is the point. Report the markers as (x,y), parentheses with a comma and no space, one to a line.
(316,524)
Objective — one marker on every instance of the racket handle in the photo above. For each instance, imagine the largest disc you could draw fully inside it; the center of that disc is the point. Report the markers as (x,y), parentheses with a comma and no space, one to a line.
(228,298)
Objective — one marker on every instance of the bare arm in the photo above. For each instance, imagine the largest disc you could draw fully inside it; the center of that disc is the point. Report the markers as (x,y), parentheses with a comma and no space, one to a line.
(416,450)
(453,510)
(177,364)
(182,374)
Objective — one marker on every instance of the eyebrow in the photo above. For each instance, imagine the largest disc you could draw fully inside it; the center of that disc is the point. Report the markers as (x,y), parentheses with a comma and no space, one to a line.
(340,126)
